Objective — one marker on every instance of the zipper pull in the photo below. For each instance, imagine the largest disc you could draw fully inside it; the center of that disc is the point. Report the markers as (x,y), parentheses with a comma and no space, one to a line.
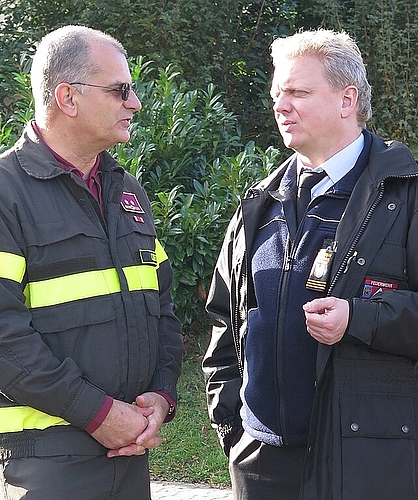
(288,257)
(349,261)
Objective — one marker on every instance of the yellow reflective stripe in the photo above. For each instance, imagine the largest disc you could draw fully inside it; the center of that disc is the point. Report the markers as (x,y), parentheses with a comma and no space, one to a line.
(19,418)
(12,266)
(160,252)
(141,277)
(72,287)
(89,284)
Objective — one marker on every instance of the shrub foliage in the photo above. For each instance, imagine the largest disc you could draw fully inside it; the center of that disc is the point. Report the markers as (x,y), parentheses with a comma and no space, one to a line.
(186,151)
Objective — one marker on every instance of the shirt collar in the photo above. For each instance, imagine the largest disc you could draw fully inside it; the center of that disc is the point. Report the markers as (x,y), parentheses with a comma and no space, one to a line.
(337,166)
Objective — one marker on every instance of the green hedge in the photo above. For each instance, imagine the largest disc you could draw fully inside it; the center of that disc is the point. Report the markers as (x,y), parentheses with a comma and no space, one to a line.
(186,151)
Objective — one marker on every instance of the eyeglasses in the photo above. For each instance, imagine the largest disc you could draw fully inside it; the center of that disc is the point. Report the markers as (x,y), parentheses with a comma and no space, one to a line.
(124,88)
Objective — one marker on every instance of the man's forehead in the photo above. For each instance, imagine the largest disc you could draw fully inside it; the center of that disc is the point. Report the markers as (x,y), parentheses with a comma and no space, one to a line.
(302,69)
(110,61)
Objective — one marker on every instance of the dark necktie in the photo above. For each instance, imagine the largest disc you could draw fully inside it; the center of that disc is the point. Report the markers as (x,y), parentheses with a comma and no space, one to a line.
(307,180)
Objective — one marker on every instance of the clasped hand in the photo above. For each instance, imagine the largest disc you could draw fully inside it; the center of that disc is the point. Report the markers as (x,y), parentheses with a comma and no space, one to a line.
(130,429)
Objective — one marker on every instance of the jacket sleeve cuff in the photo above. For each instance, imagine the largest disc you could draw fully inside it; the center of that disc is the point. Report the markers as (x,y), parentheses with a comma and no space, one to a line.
(100,415)
(173,406)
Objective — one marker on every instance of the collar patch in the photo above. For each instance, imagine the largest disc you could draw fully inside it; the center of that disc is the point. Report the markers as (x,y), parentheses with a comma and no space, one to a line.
(130,203)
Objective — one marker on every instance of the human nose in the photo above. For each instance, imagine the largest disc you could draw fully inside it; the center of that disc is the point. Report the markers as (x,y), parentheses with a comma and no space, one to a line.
(133,101)
(281,103)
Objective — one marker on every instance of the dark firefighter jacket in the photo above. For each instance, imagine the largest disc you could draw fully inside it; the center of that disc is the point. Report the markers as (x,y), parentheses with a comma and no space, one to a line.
(363,439)
(85,306)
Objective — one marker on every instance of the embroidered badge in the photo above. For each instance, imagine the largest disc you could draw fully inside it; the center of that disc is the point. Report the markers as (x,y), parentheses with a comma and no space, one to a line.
(130,203)
(372,287)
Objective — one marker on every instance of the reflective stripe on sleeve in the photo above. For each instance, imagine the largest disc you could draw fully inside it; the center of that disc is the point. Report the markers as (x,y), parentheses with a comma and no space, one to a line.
(89,284)
(73,287)
(12,266)
(19,418)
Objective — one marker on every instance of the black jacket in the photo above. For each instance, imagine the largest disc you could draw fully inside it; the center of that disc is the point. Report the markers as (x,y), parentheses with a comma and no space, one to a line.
(364,412)
(85,304)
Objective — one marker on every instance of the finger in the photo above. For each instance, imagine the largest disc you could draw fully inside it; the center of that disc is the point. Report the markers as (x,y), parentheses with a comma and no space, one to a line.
(144,400)
(151,443)
(145,411)
(146,436)
(127,451)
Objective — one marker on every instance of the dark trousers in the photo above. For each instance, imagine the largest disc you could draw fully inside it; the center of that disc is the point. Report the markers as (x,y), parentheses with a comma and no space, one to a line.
(263,472)
(71,477)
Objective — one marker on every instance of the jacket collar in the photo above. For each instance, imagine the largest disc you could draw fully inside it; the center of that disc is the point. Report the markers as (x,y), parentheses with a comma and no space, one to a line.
(390,159)
(37,160)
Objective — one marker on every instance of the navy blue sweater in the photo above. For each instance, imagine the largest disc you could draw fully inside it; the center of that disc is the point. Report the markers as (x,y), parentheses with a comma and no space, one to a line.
(279,376)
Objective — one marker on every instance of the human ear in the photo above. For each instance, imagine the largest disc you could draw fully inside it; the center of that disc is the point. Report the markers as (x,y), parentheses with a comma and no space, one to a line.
(349,101)
(65,99)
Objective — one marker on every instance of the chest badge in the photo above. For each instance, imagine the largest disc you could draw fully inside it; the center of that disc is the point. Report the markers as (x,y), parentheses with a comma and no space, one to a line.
(130,203)
(321,268)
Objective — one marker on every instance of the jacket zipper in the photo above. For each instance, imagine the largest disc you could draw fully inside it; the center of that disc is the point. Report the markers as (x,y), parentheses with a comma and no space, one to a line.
(352,254)
(236,328)
(237,342)
(290,252)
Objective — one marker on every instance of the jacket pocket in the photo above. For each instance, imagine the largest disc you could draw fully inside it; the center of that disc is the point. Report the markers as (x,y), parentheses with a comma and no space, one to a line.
(396,255)
(80,328)
(378,446)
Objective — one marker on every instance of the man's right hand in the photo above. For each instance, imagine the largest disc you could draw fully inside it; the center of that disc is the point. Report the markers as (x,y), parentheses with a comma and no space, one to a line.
(122,425)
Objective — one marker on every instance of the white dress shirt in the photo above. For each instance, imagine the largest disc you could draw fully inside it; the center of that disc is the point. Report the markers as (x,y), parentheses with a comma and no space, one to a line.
(336,166)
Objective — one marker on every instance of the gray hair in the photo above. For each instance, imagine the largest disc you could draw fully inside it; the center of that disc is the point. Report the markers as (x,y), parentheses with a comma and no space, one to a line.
(341,59)
(64,55)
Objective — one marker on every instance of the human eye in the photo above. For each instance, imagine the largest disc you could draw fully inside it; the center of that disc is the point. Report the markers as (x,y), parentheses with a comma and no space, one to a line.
(300,93)
(123,90)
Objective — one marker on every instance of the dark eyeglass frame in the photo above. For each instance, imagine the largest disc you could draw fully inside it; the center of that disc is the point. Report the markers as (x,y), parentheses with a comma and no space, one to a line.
(124,88)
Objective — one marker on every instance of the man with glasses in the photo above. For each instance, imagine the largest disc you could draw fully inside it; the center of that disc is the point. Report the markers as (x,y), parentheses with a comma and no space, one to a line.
(90,349)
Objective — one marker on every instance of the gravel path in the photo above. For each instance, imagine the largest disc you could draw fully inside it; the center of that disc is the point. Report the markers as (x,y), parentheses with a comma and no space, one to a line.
(164,490)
